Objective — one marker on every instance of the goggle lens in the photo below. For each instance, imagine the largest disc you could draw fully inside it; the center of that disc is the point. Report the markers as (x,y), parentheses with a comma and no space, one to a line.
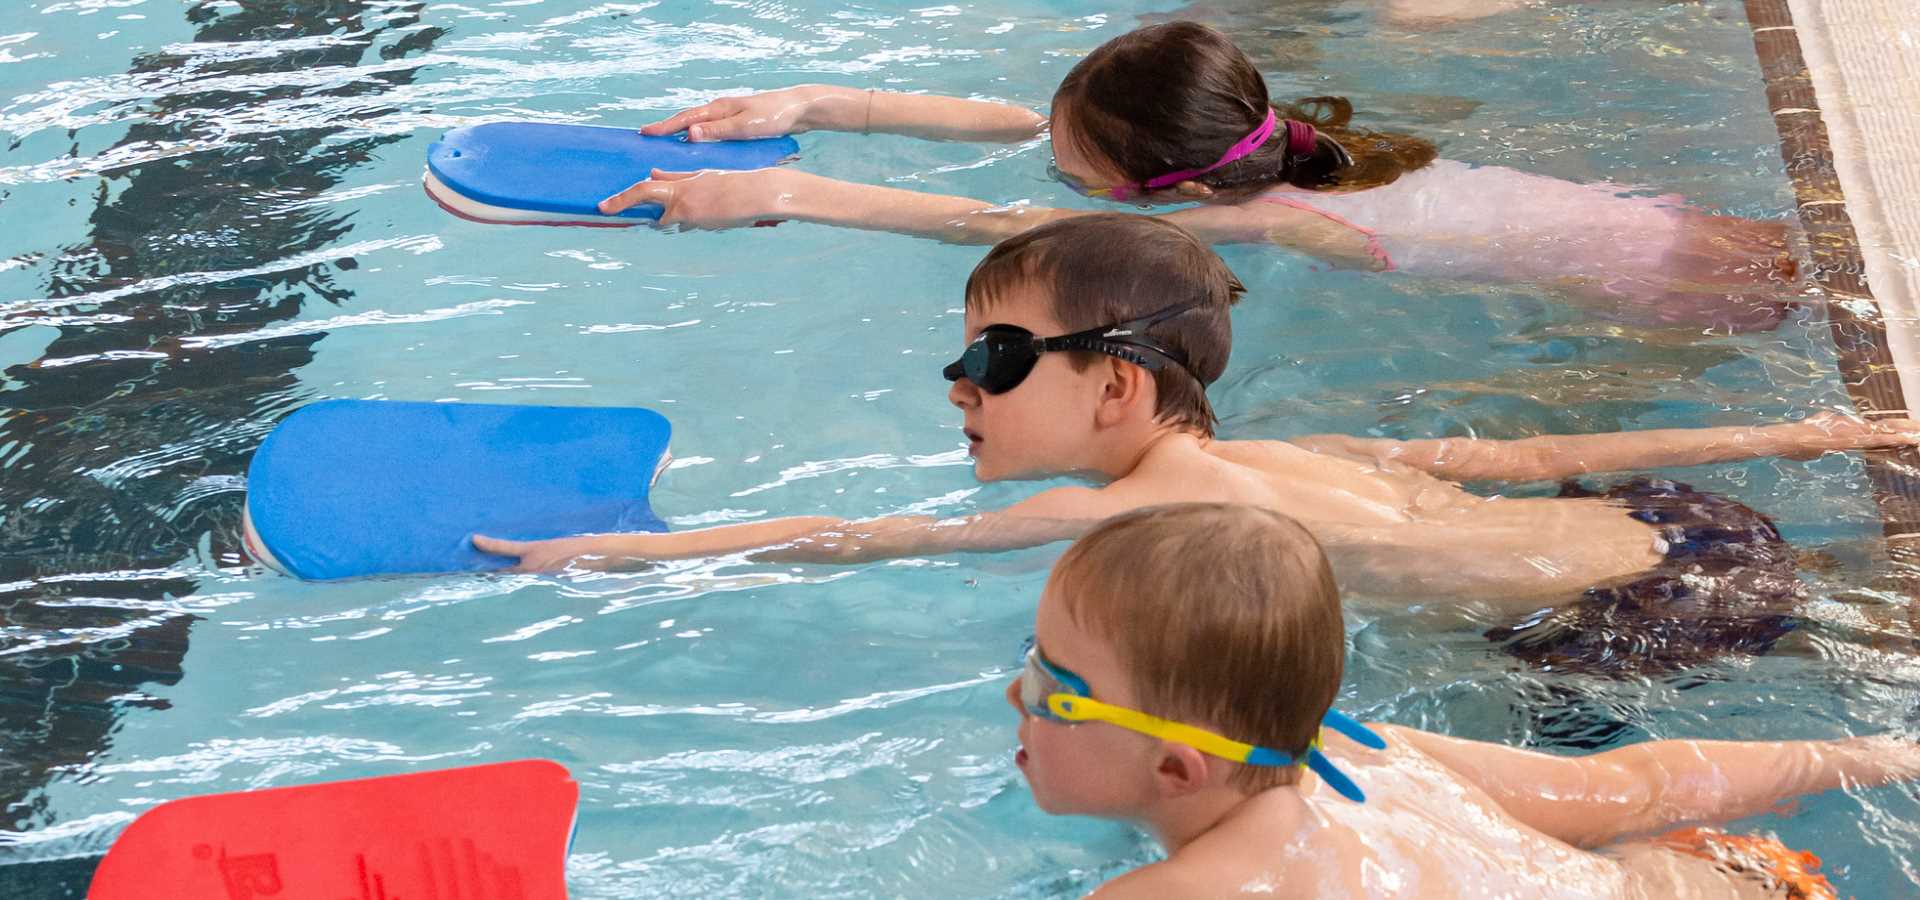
(1037,683)
(1080,188)
(997,361)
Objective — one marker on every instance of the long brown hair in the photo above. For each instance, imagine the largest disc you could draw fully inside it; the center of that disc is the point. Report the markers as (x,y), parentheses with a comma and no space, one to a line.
(1175,96)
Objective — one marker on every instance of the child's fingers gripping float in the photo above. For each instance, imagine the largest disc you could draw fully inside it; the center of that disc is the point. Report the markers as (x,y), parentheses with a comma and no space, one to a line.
(707,199)
(763,115)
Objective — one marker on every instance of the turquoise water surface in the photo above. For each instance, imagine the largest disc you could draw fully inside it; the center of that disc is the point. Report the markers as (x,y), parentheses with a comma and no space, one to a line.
(210,214)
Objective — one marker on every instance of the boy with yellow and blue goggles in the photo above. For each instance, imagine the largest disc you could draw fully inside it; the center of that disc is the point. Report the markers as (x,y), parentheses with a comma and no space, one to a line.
(1051,692)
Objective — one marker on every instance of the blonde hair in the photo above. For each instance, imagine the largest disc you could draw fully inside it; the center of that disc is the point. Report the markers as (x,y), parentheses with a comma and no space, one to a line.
(1225,616)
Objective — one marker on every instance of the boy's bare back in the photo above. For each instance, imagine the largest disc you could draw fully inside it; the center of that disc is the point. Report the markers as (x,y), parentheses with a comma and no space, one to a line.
(1425,831)
(1395,530)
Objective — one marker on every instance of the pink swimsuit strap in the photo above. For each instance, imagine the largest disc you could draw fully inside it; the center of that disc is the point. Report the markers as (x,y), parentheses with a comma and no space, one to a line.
(1374,248)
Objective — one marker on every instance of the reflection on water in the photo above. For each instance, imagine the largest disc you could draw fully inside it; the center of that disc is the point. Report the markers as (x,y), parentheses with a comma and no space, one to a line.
(128,436)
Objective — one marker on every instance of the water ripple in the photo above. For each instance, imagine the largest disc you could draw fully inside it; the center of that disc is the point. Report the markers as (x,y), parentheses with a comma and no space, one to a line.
(14,311)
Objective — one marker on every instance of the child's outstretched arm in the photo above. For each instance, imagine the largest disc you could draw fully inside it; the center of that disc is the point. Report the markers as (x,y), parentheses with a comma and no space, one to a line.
(1647,788)
(1372,561)
(715,200)
(824,107)
(1289,224)
(1056,515)
(1551,457)
(718,200)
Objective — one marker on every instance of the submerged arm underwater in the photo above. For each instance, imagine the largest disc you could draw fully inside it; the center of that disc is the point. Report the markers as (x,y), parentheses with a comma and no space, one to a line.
(827,107)
(1642,789)
(720,200)
(798,539)
(1553,457)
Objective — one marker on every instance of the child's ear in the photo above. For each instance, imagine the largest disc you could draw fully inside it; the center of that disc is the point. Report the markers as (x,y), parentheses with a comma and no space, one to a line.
(1182,770)
(1126,387)
(1193,190)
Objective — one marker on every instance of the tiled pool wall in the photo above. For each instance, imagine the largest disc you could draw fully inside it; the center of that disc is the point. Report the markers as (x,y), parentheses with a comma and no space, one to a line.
(1837,263)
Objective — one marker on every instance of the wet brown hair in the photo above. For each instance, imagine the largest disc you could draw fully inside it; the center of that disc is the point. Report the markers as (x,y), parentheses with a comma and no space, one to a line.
(1225,616)
(1107,268)
(1175,96)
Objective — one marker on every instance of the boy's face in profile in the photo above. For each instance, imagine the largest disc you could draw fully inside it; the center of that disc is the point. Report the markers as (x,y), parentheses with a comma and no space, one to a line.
(1089,769)
(1043,426)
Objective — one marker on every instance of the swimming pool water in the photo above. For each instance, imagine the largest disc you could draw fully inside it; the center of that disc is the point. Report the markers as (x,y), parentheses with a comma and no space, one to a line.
(210,214)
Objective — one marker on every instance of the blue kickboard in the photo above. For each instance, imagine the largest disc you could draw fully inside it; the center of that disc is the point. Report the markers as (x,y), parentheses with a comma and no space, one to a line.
(571,168)
(349,488)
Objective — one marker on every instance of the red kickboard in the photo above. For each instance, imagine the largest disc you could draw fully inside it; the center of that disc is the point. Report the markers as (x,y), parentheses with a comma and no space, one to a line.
(493,832)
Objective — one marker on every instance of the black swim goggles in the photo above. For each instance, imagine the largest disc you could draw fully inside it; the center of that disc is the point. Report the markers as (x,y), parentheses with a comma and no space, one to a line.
(1003,355)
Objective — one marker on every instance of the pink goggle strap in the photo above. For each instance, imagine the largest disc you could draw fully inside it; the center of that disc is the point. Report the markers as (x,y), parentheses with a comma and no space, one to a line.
(1244,148)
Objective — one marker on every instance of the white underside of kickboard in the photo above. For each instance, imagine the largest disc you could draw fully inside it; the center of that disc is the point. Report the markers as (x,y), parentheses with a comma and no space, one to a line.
(468,208)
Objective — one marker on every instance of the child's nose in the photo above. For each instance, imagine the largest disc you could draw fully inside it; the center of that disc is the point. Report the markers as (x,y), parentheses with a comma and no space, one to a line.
(964,394)
(1013,698)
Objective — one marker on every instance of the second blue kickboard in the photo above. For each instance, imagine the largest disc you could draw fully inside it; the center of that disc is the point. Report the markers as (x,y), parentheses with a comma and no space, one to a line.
(350,488)
(569,169)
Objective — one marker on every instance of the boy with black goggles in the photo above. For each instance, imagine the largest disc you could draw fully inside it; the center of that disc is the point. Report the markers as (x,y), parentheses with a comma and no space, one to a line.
(1392,513)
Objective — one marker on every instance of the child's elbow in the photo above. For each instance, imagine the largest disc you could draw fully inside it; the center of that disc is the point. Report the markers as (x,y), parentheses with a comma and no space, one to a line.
(985,227)
(1537,460)
(1648,797)
(831,550)
(843,551)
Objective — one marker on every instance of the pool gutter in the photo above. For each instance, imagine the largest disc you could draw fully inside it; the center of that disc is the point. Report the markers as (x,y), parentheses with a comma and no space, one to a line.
(1856,180)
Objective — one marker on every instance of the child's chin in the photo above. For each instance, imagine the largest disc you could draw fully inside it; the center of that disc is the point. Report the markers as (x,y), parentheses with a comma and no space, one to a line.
(985,470)
(1059,806)
(1047,805)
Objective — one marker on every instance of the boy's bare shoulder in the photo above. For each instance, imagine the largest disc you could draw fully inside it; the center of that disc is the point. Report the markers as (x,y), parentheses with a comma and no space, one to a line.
(1172,467)
(1260,454)
(1226,871)
(1161,879)
(1175,878)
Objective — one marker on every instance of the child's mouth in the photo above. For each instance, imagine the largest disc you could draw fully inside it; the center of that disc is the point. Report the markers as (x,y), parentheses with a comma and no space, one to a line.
(1020,757)
(974,440)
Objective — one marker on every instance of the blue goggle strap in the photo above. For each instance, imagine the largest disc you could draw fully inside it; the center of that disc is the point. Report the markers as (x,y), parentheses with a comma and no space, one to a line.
(1318,762)
(1324,767)
(1356,732)
(1331,774)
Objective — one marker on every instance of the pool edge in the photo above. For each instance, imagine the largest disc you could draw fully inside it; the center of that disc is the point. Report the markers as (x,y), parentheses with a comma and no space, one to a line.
(1819,167)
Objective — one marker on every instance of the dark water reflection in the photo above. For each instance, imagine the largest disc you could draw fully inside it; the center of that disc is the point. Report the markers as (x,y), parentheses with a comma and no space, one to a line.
(131,438)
